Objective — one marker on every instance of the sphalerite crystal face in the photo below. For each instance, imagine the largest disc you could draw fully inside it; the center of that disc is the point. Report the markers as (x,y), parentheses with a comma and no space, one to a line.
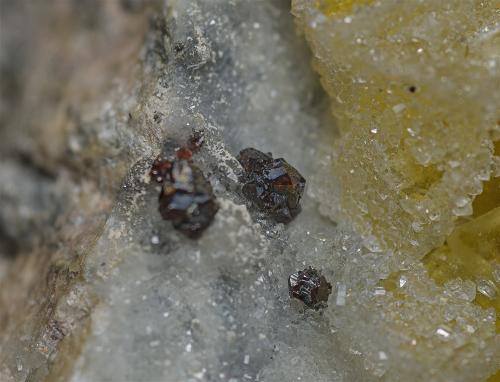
(272,185)
(186,196)
(310,287)
(415,91)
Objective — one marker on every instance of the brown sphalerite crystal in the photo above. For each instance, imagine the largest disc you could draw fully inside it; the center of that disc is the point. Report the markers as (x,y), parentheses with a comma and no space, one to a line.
(160,168)
(183,153)
(195,141)
(272,185)
(186,197)
(310,287)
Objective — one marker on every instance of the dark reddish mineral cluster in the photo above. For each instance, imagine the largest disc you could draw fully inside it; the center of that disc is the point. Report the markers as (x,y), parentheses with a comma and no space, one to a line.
(271,185)
(310,287)
(186,196)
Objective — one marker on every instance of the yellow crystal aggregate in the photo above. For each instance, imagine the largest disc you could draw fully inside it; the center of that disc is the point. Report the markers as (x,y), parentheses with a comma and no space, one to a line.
(339,7)
(415,92)
(472,250)
(417,107)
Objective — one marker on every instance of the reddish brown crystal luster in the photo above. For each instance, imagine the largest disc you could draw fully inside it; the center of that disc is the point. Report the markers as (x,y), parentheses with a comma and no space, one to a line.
(160,168)
(186,197)
(272,185)
(195,141)
(310,287)
(183,153)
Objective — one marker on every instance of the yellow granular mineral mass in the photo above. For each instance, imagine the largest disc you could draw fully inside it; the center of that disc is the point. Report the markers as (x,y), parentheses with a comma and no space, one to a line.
(415,92)
(339,7)
(472,250)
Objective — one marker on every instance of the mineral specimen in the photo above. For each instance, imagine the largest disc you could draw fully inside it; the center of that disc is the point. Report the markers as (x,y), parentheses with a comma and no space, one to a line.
(472,250)
(100,284)
(415,90)
(186,196)
(126,292)
(310,287)
(272,185)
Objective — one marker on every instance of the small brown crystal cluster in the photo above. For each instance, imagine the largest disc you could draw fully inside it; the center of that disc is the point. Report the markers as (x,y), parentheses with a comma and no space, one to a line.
(186,196)
(272,185)
(310,287)
(187,199)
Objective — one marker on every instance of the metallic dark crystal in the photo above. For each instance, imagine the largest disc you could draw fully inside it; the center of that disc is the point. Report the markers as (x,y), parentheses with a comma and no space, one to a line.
(310,287)
(272,185)
(186,197)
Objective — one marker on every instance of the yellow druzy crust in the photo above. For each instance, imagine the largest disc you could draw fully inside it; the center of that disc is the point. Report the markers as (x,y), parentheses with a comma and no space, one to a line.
(415,94)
